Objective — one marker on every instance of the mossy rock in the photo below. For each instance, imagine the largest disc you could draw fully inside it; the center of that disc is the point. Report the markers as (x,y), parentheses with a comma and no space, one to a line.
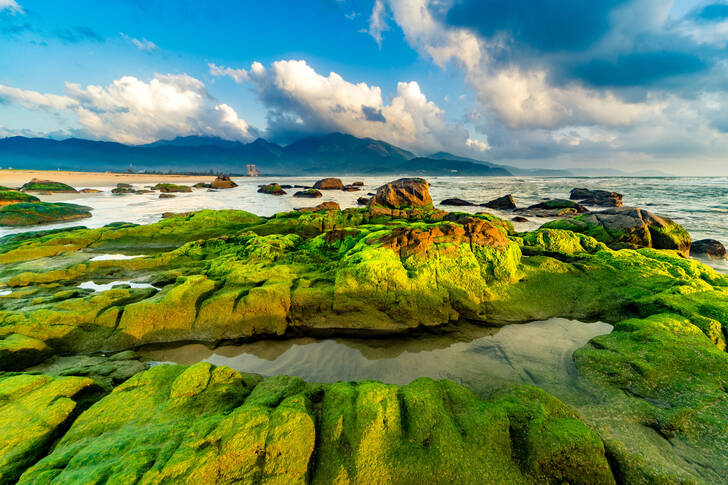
(18,352)
(168,188)
(203,424)
(8,197)
(30,213)
(35,410)
(37,185)
(272,189)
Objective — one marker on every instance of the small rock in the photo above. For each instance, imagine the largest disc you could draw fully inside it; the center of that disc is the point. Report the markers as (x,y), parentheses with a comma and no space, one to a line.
(358,184)
(402,193)
(456,202)
(709,248)
(350,188)
(329,184)
(502,203)
(222,182)
(166,196)
(308,193)
(89,191)
(519,219)
(272,189)
(602,198)
(324,206)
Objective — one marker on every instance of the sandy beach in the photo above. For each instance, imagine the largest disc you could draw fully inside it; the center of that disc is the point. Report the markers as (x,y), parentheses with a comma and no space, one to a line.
(16,178)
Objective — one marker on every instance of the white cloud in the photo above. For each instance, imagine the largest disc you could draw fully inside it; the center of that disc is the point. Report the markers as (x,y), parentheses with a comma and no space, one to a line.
(130,110)
(12,6)
(378,22)
(481,146)
(300,100)
(142,45)
(238,75)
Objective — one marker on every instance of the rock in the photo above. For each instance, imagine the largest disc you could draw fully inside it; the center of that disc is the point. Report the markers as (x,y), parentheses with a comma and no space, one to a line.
(501,203)
(519,219)
(29,213)
(363,200)
(143,191)
(324,206)
(34,411)
(628,227)
(308,193)
(602,198)
(272,189)
(37,185)
(121,189)
(122,185)
(302,187)
(8,197)
(166,196)
(404,193)
(456,202)
(18,352)
(90,191)
(329,184)
(107,372)
(202,185)
(358,184)
(559,204)
(350,188)
(223,182)
(286,186)
(709,248)
(168,188)
(205,425)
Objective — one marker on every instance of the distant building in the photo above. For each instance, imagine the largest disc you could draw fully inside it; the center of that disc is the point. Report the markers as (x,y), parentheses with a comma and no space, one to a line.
(131,168)
(252,170)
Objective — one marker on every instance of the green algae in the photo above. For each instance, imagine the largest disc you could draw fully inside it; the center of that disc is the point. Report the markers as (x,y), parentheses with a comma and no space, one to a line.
(36,185)
(30,213)
(12,197)
(203,424)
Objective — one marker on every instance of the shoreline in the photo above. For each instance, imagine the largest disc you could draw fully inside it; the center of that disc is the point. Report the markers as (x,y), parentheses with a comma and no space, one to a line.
(16,178)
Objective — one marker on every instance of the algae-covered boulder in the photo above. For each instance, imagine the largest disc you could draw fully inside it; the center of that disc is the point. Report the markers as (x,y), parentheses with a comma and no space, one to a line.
(308,193)
(596,197)
(29,213)
(223,181)
(167,188)
(272,189)
(34,412)
(38,185)
(203,424)
(324,206)
(403,193)
(329,184)
(8,197)
(629,227)
(18,352)
(557,204)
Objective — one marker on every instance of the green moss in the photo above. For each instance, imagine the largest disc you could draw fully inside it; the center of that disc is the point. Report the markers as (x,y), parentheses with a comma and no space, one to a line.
(166,188)
(46,186)
(29,213)
(12,196)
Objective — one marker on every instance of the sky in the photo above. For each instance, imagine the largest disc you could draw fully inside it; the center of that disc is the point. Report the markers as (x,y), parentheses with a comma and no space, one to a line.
(627,84)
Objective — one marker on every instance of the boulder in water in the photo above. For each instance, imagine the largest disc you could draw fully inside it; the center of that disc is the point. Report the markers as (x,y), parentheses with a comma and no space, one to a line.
(501,203)
(272,189)
(8,197)
(308,193)
(403,193)
(457,202)
(38,185)
(329,184)
(169,188)
(602,198)
(324,206)
(223,182)
(29,213)
(709,248)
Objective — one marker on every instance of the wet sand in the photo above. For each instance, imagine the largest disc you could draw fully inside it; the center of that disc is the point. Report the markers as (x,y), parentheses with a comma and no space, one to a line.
(16,178)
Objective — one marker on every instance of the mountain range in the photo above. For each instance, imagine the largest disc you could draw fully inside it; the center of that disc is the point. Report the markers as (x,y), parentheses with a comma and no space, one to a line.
(335,153)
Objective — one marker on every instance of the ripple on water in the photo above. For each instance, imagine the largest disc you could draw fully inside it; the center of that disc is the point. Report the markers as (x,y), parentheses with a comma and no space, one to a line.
(538,353)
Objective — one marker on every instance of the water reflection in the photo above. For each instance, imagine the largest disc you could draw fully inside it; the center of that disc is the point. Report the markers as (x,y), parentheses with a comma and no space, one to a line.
(538,353)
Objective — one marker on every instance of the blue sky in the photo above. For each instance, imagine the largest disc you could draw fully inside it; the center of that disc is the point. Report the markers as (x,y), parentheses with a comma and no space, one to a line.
(626,83)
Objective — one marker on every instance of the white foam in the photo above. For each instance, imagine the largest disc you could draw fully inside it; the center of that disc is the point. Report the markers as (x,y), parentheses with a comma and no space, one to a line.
(114,257)
(5,292)
(90,285)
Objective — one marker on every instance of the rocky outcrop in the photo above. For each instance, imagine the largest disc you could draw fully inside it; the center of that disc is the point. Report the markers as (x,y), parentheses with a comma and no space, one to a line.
(363,200)
(272,189)
(30,213)
(403,193)
(559,204)
(38,185)
(329,184)
(602,198)
(223,182)
(501,203)
(708,248)
(457,202)
(308,193)
(324,206)
(629,227)
(8,197)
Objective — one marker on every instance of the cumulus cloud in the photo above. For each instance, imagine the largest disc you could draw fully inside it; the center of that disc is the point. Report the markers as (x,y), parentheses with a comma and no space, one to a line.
(575,79)
(301,101)
(378,22)
(142,45)
(11,6)
(238,75)
(133,111)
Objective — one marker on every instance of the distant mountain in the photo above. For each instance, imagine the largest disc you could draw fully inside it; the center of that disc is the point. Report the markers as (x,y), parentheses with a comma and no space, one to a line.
(513,170)
(335,153)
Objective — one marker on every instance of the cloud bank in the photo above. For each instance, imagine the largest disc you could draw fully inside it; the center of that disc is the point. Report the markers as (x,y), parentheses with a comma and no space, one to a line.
(133,111)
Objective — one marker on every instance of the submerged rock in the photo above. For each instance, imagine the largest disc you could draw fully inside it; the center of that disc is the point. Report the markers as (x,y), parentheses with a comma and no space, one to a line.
(709,248)
(501,203)
(456,202)
(404,193)
(308,193)
(603,198)
(38,185)
(30,213)
(629,227)
(167,188)
(272,189)
(329,184)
